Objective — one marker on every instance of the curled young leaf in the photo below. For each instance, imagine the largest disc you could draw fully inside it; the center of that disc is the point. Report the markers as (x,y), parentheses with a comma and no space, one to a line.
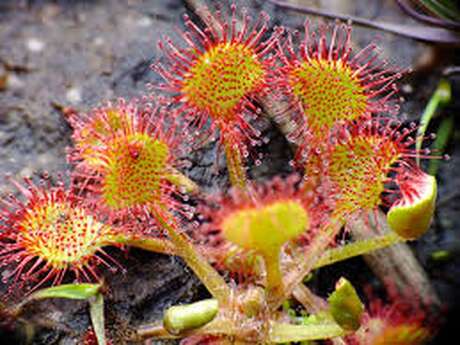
(178,319)
(410,217)
(345,305)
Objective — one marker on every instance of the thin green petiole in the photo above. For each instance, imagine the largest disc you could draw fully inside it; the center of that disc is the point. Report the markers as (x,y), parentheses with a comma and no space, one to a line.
(157,245)
(235,166)
(305,262)
(200,266)
(357,248)
(440,98)
(274,276)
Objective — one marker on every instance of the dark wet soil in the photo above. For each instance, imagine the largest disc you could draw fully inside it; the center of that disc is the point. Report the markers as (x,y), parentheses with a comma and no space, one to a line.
(58,54)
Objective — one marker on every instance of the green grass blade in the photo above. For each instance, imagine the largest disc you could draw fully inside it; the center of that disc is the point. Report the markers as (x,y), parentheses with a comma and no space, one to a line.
(446,128)
(442,9)
(69,291)
(96,311)
(441,97)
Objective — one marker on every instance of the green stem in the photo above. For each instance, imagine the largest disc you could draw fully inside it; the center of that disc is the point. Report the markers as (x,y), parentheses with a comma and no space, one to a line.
(274,275)
(155,330)
(324,329)
(441,97)
(357,248)
(200,266)
(235,166)
(443,135)
(305,261)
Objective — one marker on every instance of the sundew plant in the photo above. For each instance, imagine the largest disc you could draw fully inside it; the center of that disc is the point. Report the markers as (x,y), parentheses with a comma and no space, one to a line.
(253,244)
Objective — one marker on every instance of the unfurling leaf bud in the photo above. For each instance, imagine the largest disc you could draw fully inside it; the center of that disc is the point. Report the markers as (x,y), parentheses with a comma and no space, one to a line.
(178,319)
(345,305)
(411,216)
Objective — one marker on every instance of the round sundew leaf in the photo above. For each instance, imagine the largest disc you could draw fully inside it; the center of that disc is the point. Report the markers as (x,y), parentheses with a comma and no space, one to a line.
(411,218)
(51,233)
(89,137)
(266,228)
(72,235)
(360,166)
(330,93)
(135,169)
(222,77)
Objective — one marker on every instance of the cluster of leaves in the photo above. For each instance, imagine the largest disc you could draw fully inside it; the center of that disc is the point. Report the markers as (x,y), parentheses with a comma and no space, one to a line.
(338,109)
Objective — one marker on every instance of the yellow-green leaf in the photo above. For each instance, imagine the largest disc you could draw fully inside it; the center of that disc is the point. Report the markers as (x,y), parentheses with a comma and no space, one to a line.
(412,219)
(345,305)
(69,291)
(181,318)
